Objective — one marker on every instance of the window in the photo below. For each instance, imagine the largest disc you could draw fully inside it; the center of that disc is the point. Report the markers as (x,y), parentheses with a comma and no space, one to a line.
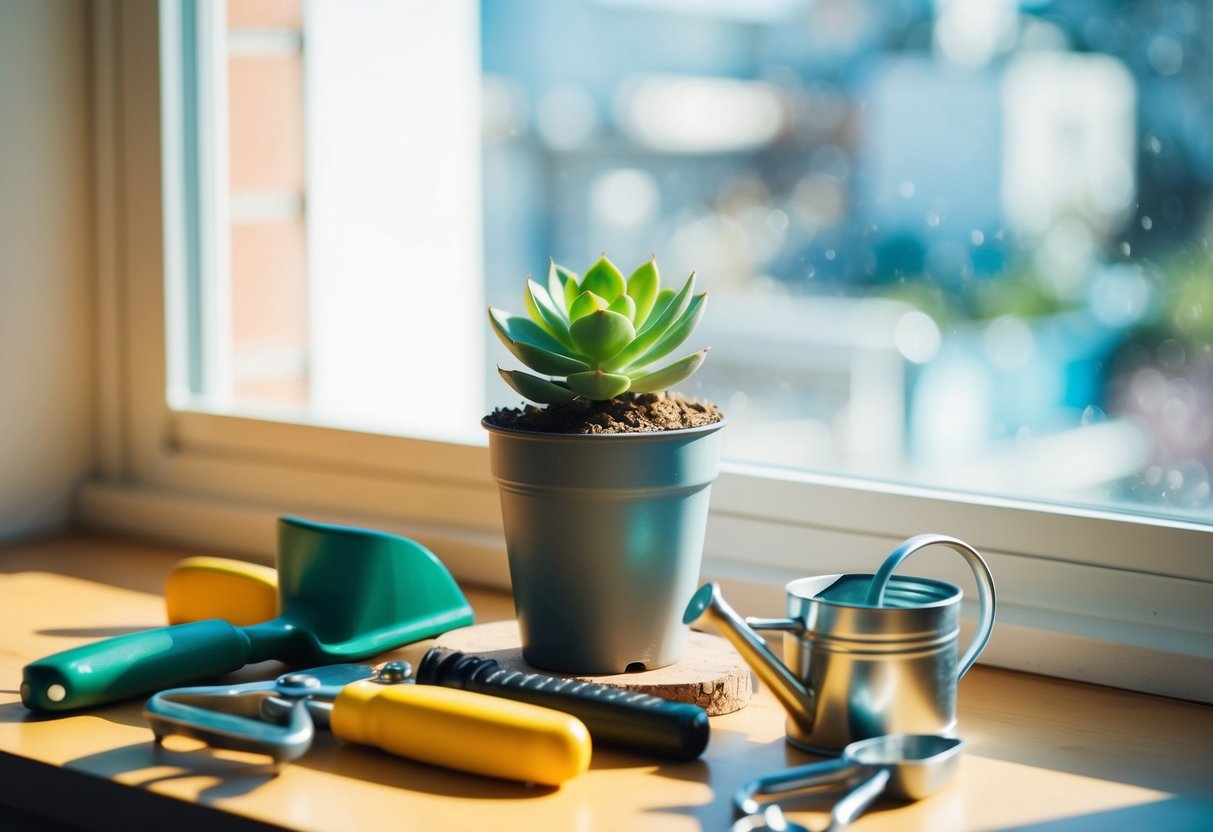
(943,244)
(329,237)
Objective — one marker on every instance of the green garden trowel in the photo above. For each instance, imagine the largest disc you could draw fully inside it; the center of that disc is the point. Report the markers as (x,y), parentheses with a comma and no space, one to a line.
(345,594)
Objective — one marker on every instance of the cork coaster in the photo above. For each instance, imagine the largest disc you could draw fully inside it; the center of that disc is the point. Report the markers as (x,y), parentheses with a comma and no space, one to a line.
(711,674)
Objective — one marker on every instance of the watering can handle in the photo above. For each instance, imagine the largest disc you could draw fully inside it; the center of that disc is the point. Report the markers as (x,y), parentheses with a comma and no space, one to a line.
(981,571)
(133,664)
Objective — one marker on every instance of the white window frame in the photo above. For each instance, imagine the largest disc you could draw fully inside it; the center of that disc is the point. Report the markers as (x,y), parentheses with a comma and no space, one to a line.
(1095,596)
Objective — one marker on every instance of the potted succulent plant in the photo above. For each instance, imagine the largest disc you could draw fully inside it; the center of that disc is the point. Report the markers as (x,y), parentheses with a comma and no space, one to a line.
(604,490)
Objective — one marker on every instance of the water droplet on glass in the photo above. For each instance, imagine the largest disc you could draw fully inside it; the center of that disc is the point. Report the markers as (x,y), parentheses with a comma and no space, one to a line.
(1147,223)
(777,221)
(1126,249)
(977,237)
(906,189)
(831,254)
(932,219)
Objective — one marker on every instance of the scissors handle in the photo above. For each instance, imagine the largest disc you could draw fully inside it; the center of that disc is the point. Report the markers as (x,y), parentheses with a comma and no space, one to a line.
(283,742)
(274,718)
(443,726)
(796,781)
(858,799)
(621,719)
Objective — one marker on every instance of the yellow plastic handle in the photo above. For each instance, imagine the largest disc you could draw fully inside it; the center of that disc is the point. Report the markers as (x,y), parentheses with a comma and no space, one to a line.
(464,730)
(204,587)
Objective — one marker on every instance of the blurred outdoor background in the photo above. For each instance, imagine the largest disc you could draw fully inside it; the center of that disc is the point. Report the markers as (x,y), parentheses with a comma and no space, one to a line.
(957,243)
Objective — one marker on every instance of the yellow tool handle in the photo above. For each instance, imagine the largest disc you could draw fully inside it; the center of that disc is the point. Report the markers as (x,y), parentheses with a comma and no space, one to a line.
(202,587)
(464,730)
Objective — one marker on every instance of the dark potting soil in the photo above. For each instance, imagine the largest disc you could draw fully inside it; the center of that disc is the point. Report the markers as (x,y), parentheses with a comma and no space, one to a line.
(629,413)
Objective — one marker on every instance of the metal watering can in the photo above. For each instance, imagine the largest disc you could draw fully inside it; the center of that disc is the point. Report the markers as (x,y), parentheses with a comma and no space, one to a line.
(864,655)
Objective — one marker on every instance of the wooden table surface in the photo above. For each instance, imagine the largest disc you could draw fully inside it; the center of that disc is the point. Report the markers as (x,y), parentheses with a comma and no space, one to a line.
(1041,754)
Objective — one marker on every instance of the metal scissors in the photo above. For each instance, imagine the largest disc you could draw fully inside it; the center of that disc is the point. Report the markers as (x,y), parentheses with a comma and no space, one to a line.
(454,728)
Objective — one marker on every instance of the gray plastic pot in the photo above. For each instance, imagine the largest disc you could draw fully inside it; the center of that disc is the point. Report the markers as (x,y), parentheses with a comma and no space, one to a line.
(604,534)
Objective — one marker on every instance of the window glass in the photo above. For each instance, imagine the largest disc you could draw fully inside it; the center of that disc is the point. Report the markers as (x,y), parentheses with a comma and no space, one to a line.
(962,243)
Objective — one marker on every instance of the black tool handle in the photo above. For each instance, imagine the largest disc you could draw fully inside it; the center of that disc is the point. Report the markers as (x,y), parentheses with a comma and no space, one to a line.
(616,718)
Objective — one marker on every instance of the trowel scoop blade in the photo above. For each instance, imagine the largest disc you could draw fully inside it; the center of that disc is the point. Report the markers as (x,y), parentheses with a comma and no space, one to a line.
(358,592)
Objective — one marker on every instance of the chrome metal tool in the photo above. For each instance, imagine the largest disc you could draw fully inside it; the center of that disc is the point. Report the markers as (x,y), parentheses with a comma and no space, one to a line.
(452,728)
(279,718)
(906,766)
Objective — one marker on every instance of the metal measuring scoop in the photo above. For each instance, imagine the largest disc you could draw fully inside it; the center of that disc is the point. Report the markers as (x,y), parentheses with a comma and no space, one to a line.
(907,766)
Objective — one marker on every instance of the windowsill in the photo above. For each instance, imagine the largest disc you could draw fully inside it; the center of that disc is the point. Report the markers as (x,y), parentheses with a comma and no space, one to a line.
(1052,614)
(1041,753)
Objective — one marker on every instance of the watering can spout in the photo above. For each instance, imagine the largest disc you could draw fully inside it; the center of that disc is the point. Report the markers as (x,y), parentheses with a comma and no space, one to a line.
(708,606)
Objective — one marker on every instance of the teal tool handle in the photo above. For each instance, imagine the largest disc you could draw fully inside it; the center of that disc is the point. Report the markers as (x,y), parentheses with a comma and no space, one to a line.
(133,665)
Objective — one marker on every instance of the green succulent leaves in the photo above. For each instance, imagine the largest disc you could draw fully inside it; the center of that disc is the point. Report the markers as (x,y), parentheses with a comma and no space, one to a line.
(601,334)
(596,336)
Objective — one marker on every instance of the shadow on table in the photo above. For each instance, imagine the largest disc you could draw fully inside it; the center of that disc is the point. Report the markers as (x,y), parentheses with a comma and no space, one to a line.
(1176,814)
(126,713)
(238,773)
(233,776)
